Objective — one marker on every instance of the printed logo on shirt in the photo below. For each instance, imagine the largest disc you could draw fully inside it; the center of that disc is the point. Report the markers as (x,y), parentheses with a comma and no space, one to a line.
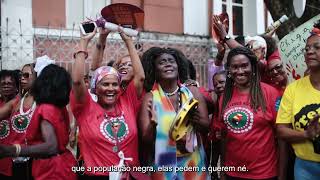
(277,104)
(4,129)
(238,119)
(114,126)
(20,123)
(303,117)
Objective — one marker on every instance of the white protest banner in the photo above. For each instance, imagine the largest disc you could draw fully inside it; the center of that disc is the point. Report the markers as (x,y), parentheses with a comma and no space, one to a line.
(291,46)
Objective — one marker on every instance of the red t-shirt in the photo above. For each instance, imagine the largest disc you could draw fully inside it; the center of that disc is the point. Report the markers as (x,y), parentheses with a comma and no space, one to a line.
(5,138)
(5,163)
(58,166)
(19,126)
(251,135)
(96,138)
(206,95)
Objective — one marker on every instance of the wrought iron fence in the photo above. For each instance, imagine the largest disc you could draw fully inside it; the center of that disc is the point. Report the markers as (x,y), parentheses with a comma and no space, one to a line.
(22,45)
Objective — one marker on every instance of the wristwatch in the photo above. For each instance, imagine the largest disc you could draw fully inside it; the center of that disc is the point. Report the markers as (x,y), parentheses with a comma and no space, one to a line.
(226,38)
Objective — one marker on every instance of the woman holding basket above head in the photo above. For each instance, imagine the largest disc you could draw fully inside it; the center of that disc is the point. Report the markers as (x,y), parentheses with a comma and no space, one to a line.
(175,140)
(108,131)
(298,117)
(123,65)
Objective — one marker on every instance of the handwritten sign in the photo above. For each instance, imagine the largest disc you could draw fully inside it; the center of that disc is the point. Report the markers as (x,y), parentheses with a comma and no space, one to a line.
(291,47)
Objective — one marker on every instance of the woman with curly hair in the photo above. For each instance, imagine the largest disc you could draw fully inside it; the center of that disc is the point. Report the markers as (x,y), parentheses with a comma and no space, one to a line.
(48,133)
(9,85)
(247,116)
(298,117)
(165,71)
(9,88)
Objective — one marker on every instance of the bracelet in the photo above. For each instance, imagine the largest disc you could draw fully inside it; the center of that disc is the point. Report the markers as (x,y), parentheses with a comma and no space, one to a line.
(84,52)
(18,149)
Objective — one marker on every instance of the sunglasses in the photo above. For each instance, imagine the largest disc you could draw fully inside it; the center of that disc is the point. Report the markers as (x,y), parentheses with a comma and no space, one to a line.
(277,68)
(26,75)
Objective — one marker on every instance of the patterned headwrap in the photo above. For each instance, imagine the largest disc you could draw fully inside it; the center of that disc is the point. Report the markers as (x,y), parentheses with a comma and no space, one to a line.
(100,73)
(315,31)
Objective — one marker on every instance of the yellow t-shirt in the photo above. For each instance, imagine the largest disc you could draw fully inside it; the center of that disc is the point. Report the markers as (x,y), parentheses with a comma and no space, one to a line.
(299,103)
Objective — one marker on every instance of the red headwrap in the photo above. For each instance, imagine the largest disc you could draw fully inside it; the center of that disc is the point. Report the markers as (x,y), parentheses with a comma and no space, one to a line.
(275,55)
(315,31)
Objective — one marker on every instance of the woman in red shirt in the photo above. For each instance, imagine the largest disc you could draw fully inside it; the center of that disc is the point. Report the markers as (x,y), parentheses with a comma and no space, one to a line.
(20,111)
(124,65)
(108,127)
(247,113)
(9,87)
(47,135)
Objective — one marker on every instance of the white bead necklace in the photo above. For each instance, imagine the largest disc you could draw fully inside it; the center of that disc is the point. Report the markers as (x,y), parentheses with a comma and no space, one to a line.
(33,107)
(172,93)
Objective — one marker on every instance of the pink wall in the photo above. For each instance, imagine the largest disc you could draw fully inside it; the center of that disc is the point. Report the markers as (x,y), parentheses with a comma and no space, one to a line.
(160,15)
(49,11)
(164,16)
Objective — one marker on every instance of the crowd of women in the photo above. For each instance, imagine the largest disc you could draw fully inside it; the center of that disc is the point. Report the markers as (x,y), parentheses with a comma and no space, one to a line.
(151,112)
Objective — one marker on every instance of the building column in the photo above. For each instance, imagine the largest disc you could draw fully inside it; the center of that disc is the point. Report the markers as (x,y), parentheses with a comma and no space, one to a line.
(195,17)
(253,17)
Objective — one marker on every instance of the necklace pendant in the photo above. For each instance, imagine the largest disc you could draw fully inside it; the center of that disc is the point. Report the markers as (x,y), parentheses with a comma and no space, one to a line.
(115,149)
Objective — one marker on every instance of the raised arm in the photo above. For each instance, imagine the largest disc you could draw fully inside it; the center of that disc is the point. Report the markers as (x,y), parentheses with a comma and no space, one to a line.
(97,56)
(222,33)
(221,51)
(78,69)
(6,109)
(138,71)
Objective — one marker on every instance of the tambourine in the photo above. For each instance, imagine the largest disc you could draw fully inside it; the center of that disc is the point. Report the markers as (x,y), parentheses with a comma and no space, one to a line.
(180,125)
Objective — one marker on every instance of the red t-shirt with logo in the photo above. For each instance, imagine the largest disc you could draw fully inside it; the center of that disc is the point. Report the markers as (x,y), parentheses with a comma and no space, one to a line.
(5,138)
(5,163)
(251,135)
(19,125)
(96,132)
(58,166)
